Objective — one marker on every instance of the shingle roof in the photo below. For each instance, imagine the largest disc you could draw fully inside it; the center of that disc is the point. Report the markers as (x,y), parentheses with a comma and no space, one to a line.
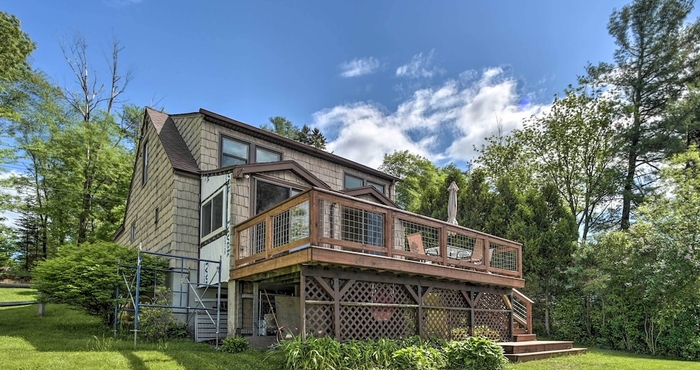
(175,147)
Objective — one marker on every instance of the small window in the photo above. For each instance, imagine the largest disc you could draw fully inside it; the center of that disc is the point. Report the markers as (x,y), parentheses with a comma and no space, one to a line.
(233,152)
(378,186)
(352,182)
(133,231)
(156,217)
(144,169)
(264,155)
(213,214)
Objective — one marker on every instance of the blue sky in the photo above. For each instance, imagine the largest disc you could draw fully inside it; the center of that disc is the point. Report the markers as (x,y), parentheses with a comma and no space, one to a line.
(434,77)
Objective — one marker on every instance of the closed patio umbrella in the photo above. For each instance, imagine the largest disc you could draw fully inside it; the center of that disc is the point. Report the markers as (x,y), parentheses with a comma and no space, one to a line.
(452,204)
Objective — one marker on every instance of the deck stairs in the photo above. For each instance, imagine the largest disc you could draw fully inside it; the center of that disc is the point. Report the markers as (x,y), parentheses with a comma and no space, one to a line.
(525,346)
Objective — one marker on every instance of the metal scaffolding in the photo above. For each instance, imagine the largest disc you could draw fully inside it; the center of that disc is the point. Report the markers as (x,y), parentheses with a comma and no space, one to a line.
(132,277)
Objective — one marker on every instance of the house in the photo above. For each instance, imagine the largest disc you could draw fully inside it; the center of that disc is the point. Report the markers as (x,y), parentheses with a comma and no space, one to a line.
(310,241)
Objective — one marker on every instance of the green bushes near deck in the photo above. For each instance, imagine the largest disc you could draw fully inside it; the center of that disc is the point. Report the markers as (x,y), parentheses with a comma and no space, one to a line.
(408,354)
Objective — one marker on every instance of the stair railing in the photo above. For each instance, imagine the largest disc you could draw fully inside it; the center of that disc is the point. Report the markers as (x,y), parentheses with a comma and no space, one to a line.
(522,310)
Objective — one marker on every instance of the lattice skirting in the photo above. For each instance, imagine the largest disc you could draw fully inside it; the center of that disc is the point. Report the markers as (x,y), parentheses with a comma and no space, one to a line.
(353,305)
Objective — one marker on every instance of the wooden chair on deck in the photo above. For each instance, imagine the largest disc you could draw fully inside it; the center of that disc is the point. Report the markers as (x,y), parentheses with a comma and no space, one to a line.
(415,243)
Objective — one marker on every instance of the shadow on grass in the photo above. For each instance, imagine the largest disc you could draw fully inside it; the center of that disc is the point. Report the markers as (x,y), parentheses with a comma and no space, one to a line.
(64,329)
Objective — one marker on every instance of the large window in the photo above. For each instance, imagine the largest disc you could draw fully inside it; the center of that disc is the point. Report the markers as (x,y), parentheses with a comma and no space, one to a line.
(213,214)
(268,195)
(353,182)
(235,152)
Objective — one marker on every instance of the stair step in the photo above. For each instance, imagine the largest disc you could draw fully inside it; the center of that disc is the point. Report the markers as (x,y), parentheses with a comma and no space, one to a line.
(535,346)
(519,331)
(524,337)
(522,357)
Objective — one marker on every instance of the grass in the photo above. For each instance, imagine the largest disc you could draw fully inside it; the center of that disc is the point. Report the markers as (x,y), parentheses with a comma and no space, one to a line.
(68,339)
(601,359)
(17,294)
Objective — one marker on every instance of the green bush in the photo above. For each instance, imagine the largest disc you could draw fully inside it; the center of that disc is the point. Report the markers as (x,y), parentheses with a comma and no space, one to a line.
(419,358)
(235,345)
(477,353)
(158,323)
(86,276)
(311,354)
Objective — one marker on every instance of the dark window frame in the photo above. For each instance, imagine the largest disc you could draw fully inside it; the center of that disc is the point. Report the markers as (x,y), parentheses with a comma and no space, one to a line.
(365,182)
(254,198)
(210,216)
(252,150)
(132,236)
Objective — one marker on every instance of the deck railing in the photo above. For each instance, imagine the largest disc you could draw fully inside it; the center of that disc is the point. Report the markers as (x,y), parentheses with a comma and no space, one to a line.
(522,310)
(326,219)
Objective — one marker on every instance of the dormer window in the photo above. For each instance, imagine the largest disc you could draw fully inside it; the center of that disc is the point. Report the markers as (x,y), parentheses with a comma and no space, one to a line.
(233,152)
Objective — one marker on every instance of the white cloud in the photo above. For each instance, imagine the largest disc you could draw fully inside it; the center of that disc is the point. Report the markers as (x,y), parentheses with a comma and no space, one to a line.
(442,123)
(420,66)
(359,67)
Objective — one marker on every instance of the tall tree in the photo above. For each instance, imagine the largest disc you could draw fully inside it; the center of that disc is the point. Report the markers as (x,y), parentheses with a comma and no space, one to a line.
(311,137)
(15,48)
(418,175)
(575,148)
(93,101)
(656,56)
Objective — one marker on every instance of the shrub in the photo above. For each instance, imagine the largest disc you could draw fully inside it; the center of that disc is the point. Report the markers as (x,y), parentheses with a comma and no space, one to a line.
(486,332)
(158,323)
(418,358)
(86,276)
(311,354)
(234,345)
(475,353)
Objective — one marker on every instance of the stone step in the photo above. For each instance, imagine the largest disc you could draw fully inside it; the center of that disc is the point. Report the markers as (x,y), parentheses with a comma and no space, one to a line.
(524,337)
(530,356)
(535,346)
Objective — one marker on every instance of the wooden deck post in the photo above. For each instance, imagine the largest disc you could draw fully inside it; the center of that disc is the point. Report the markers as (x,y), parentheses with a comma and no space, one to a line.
(302,305)
(389,233)
(315,218)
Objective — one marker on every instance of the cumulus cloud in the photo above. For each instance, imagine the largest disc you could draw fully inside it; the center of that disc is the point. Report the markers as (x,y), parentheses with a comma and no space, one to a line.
(420,66)
(442,123)
(359,67)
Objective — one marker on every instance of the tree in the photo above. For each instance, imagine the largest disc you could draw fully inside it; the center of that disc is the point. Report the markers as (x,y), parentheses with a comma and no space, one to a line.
(86,277)
(281,126)
(656,57)
(97,147)
(575,148)
(418,175)
(311,137)
(15,48)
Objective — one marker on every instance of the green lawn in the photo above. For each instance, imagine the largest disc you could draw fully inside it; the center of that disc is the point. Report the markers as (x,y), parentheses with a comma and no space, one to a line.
(68,339)
(17,294)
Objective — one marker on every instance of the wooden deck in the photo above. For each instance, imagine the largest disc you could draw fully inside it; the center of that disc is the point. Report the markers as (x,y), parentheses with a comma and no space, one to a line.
(322,227)
(325,256)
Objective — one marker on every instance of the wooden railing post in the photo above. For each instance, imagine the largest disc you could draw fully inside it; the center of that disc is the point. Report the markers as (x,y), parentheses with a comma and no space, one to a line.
(389,232)
(519,251)
(487,254)
(315,217)
(268,235)
(528,306)
(443,245)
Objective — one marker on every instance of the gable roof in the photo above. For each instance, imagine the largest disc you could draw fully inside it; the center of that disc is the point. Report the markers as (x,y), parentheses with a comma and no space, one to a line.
(175,147)
(292,144)
(245,169)
(370,190)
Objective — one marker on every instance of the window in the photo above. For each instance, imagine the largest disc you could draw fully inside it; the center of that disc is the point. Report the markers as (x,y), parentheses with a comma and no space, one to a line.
(379,187)
(156,217)
(352,182)
(213,214)
(133,231)
(144,169)
(233,152)
(268,195)
(263,155)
